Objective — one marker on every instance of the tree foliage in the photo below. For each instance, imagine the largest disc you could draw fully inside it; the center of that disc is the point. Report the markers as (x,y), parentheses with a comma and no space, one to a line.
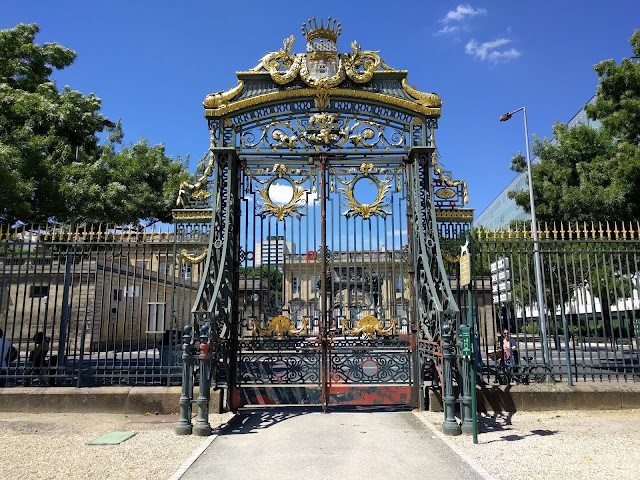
(586,173)
(52,164)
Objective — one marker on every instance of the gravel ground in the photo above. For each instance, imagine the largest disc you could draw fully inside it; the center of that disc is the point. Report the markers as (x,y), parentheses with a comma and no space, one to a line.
(525,445)
(558,444)
(53,446)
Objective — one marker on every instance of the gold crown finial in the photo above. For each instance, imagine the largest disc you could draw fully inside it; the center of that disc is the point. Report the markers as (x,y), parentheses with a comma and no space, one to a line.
(312,31)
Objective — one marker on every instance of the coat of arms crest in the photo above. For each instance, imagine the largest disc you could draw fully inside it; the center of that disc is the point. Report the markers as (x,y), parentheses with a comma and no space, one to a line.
(322,59)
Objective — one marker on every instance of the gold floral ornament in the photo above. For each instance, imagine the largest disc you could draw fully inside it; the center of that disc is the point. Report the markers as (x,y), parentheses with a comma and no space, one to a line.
(323,128)
(423,98)
(321,66)
(290,208)
(366,210)
(197,190)
(221,99)
(370,327)
(280,326)
(448,182)
(187,257)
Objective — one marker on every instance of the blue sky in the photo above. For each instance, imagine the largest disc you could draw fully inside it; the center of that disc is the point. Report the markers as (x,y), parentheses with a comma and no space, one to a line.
(152,63)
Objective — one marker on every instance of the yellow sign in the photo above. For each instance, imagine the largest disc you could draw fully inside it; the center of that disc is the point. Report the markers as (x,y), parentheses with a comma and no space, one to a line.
(465,269)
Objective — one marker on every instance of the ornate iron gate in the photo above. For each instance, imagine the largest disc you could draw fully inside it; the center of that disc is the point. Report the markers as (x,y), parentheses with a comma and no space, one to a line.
(325,310)
(324,282)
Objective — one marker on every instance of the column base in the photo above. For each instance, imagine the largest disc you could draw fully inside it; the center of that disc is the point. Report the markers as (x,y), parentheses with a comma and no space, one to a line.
(451,429)
(183,429)
(202,430)
(467,428)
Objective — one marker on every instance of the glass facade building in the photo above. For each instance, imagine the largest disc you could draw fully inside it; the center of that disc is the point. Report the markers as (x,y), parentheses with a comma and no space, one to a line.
(503,210)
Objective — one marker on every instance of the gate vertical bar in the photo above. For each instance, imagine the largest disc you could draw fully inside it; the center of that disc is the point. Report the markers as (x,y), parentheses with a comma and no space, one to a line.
(324,341)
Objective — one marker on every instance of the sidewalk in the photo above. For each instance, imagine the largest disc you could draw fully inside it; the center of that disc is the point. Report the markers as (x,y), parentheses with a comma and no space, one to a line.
(531,445)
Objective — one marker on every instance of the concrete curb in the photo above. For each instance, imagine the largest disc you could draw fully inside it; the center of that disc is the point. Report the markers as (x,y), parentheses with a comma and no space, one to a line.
(166,400)
(540,397)
(161,400)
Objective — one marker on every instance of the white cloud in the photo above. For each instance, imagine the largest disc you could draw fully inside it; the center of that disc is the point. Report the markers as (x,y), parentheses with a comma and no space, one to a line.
(490,51)
(280,194)
(447,29)
(461,12)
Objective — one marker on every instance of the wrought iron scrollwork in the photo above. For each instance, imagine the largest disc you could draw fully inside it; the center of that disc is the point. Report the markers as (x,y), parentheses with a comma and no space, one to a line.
(435,304)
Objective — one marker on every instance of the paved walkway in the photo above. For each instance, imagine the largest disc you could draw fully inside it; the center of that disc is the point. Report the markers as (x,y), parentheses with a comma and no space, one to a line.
(304,443)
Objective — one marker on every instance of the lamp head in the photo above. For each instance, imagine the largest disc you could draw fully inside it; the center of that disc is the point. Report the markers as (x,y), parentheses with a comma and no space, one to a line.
(506,116)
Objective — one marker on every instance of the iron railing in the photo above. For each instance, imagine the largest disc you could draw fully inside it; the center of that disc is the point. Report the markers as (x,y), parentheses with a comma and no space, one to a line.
(591,282)
(93,305)
(108,305)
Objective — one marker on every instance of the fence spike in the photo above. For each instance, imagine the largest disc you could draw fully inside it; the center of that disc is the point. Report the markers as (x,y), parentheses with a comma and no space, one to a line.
(555,231)
(600,230)
(624,231)
(608,230)
(616,232)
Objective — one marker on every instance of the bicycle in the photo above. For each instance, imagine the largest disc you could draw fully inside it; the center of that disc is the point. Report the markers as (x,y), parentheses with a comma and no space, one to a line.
(535,373)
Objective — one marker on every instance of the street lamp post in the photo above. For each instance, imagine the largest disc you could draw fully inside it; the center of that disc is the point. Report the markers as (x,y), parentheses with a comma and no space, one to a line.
(542,311)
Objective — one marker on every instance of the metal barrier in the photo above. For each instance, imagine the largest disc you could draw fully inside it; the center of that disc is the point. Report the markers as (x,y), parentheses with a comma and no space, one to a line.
(588,330)
(93,306)
(106,306)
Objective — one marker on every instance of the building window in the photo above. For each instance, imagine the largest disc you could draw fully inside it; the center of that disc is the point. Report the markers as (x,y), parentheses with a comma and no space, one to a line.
(133,291)
(295,286)
(398,284)
(186,271)
(116,294)
(39,291)
(164,268)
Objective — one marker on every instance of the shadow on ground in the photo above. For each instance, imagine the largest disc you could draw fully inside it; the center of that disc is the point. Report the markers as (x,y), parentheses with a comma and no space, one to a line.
(501,422)
(251,420)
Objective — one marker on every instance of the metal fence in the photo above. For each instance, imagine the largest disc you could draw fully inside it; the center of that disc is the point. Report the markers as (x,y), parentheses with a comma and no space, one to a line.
(588,328)
(105,306)
(92,306)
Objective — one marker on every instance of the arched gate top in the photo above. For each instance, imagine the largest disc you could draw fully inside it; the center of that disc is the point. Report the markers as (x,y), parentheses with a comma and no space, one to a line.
(322,100)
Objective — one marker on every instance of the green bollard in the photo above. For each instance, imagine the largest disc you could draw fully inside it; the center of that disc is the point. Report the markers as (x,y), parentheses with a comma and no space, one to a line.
(184,426)
(202,427)
(450,425)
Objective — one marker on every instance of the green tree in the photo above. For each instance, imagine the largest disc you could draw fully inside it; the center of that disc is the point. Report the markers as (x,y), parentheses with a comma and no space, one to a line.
(52,165)
(589,174)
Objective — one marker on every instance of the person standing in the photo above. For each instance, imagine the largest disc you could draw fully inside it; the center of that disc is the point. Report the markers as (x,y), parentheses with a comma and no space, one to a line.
(8,353)
(38,357)
(509,353)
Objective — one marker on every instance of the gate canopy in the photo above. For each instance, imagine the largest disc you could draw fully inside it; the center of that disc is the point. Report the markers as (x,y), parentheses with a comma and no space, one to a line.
(373,108)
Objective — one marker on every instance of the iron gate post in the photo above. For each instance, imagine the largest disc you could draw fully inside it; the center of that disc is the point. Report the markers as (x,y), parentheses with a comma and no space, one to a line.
(184,426)
(202,427)
(450,425)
